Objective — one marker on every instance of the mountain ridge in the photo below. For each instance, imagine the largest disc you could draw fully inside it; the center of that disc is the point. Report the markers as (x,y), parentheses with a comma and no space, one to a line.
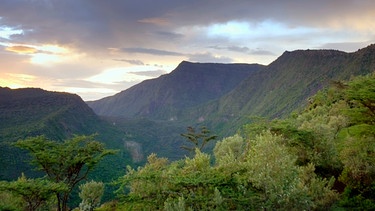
(188,85)
(272,91)
(285,84)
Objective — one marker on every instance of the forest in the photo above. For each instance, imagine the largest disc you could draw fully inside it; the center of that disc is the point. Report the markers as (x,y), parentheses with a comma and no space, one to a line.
(321,157)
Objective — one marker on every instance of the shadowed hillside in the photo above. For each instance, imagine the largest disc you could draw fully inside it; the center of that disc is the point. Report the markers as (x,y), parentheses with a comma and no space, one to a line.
(32,112)
(190,84)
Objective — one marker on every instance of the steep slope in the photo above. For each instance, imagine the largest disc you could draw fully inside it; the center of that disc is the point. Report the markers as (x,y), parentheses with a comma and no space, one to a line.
(32,112)
(284,86)
(190,84)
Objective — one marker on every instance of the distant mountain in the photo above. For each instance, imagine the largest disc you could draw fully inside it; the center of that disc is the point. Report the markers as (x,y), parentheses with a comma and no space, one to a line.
(223,97)
(31,112)
(189,85)
(283,86)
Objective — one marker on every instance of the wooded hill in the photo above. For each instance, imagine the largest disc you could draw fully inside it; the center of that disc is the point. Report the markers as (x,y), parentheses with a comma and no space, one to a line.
(214,94)
(272,91)
(33,112)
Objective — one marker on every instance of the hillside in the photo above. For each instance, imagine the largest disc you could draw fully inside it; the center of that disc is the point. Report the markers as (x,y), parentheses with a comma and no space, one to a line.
(32,112)
(283,86)
(163,98)
(215,94)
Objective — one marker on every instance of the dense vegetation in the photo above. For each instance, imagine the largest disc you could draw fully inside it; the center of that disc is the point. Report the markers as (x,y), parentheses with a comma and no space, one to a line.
(31,112)
(321,158)
(65,165)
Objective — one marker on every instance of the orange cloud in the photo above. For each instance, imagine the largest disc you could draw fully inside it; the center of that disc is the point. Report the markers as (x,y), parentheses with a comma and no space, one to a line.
(22,49)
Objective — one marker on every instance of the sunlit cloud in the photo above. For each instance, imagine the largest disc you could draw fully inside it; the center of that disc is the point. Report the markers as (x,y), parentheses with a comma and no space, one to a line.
(45,59)
(46,54)
(120,74)
(263,29)
(89,91)
(16,80)
(53,49)
(6,32)
(21,49)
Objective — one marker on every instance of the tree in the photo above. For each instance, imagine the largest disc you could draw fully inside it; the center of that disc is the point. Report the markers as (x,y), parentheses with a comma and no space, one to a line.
(69,162)
(91,193)
(247,175)
(198,139)
(34,192)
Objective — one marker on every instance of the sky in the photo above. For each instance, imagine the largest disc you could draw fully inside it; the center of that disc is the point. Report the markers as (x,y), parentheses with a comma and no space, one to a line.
(97,48)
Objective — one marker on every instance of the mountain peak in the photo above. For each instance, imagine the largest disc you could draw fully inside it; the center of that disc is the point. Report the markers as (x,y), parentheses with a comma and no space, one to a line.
(190,84)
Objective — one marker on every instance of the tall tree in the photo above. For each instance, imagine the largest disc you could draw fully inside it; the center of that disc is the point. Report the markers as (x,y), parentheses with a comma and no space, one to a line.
(198,139)
(69,162)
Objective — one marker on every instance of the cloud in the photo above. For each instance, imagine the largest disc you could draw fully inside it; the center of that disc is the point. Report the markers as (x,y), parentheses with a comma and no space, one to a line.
(131,61)
(244,50)
(146,32)
(152,73)
(208,57)
(152,51)
(21,49)
(156,21)
(169,35)
(8,32)
(232,48)
(262,52)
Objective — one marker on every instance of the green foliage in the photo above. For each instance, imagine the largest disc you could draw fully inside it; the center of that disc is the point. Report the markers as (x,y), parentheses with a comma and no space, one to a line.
(298,163)
(198,139)
(282,182)
(251,174)
(10,201)
(34,192)
(68,162)
(90,193)
(336,134)
(229,150)
(361,97)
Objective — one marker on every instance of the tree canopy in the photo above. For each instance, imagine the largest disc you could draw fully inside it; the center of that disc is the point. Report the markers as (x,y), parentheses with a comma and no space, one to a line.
(320,158)
(67,162)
